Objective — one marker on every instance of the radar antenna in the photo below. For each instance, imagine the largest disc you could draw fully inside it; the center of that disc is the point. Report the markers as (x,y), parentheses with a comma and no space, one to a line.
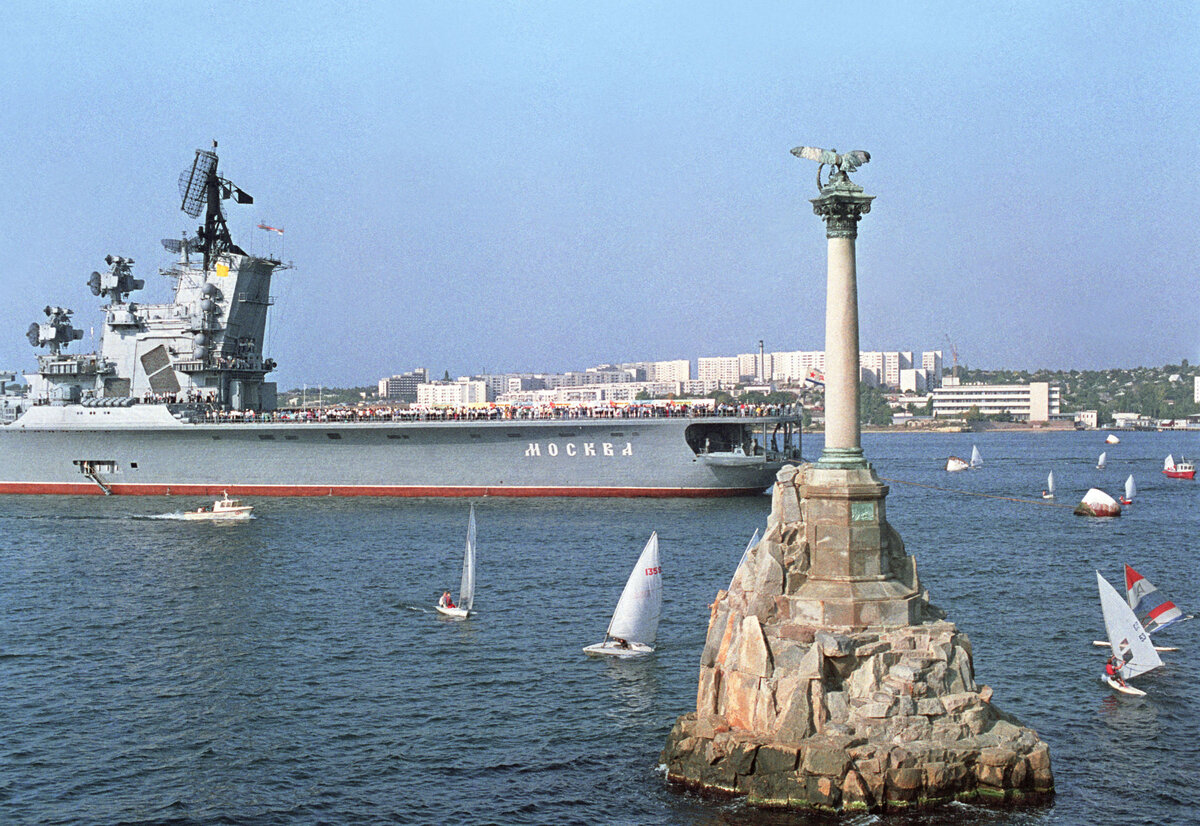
(118,282)
(200,187)
(56,332)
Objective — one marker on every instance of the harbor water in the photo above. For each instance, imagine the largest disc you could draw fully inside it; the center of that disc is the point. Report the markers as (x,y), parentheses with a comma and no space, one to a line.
(292,669)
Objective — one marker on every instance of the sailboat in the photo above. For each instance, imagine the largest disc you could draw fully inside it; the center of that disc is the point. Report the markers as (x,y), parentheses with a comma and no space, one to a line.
(634,623)
(1153,610)
(1048,493)
(1127,638)
(749,547)
(466,589)
(1130,491)
(1102,461)
(976,458)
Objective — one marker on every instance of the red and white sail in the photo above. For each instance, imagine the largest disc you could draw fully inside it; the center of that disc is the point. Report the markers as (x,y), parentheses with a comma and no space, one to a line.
(1153,610)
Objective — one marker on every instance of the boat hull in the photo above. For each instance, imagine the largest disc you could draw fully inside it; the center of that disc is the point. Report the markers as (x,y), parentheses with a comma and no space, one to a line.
(611,649)
(573,457)
(1180,474)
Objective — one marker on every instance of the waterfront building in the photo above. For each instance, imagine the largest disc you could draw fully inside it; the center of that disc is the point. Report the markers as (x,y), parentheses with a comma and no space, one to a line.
(403,386)
(1037,401)
(1089,419)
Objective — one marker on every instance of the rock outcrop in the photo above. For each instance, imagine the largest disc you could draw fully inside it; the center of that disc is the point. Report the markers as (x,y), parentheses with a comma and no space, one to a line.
(793,711)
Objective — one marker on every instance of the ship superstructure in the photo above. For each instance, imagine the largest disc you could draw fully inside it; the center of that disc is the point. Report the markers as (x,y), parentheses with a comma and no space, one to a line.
(175,401)
(203,346)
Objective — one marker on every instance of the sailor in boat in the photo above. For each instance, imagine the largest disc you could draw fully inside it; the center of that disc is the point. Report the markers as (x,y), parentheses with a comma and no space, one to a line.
(620,642)
(446,601)
(1113,669)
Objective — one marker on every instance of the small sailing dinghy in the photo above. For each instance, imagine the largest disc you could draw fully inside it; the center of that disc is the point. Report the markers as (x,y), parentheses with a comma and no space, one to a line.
(1102,461)
(466,589)
(955,464)
(1112,440)
(976,458)
(1130,491)
(1130,644)
(1048,493)
(634,623)
(1153,610)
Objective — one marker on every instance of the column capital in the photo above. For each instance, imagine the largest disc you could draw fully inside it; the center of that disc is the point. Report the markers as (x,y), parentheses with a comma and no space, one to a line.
(842,204)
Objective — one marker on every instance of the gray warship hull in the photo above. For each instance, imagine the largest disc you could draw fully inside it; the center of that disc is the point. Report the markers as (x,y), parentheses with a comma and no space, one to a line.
(74,450)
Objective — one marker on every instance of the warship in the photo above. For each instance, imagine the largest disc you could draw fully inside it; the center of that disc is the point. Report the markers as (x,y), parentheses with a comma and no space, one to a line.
(176,401)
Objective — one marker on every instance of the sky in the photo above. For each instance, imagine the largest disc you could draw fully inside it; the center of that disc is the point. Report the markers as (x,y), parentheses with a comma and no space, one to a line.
(543,186)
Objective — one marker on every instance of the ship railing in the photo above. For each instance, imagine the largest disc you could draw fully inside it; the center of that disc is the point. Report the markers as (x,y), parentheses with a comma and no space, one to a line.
(326,415)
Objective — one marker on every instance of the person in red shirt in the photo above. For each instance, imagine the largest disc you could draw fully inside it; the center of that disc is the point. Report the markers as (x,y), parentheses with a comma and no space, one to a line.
(1113,669)
(446,601)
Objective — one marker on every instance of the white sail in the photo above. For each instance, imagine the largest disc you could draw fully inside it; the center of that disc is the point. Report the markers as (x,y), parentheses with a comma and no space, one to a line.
(638,609)
(1130,488)
(1129,641)
(749,547)
(1050,483)
(466,590)
(976,458)
(1169,462)
(1101,461)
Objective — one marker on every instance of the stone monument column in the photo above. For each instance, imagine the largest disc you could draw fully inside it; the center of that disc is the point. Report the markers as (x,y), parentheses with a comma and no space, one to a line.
(842,204)
(828,681)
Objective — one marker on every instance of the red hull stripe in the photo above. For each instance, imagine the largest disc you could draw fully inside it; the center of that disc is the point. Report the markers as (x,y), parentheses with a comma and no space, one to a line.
(77,488)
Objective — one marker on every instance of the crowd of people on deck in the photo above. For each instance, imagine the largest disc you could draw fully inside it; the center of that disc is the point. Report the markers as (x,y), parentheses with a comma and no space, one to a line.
(494,412)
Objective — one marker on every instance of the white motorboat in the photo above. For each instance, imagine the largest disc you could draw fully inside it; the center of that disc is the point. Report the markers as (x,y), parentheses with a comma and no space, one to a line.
(221,510)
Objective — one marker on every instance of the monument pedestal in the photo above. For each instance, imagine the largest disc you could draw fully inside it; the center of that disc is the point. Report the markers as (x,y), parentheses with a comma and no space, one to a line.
(829,682)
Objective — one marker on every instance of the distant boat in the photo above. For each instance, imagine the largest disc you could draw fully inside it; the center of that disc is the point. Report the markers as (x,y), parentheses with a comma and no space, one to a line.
(976,458)
(1112,440)
(634,624)
(1048,493)
(1129,641)
(466,588)
(222,510)
(749,547)
(955,464)
(1097,503)
(1183,469)
(1130,491)
(1102,461)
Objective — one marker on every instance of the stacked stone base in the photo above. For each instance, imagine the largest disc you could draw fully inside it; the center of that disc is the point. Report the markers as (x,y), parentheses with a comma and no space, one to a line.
(887,735)
(878,711)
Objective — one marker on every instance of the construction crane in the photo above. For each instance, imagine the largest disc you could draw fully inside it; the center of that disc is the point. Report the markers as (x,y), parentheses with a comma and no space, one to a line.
(953,355)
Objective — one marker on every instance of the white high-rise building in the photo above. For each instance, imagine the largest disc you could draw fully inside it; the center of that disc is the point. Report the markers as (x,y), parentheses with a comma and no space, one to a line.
(931,363)
(451,393)
(723,370)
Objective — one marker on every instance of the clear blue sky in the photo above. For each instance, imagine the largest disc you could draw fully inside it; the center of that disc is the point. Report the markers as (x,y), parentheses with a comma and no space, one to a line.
(547,186)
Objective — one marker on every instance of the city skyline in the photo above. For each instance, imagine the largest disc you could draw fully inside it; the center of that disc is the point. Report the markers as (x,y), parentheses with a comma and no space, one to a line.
(557,185)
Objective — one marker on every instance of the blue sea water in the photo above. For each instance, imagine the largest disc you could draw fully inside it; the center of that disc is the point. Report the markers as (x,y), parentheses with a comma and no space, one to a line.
(292,670)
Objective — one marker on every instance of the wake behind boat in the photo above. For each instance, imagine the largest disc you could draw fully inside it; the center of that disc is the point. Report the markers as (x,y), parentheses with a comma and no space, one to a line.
(222,510)
(466,588)
(634,624)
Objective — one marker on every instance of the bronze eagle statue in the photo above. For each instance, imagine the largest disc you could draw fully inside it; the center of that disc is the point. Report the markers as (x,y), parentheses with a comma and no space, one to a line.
(846,163)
